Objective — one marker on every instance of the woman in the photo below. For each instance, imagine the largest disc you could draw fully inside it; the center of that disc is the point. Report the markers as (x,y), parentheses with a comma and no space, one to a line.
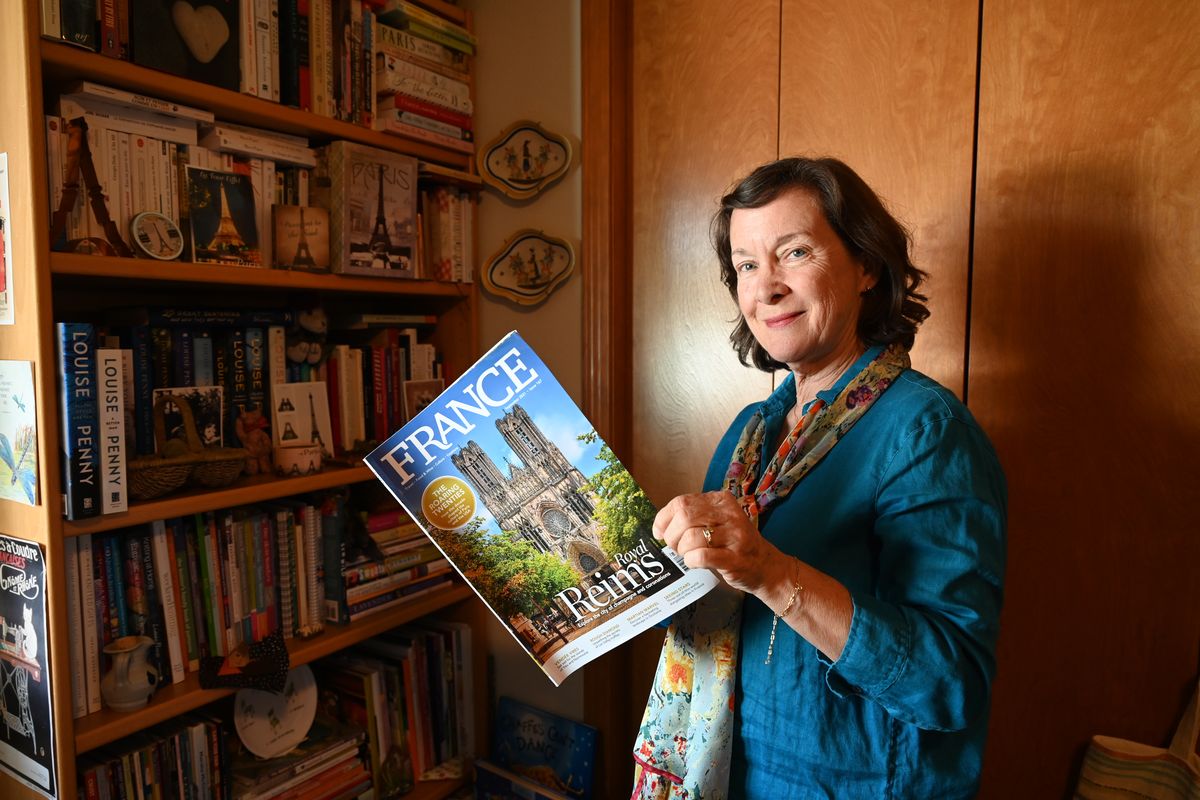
(856,516)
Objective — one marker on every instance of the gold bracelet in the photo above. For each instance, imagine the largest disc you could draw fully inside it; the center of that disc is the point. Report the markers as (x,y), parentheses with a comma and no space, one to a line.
(796,590)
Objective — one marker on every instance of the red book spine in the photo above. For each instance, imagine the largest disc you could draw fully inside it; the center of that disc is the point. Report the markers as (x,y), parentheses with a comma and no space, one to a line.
(406,102)
(110,37)
(305,71)
(378,386)
(265,536)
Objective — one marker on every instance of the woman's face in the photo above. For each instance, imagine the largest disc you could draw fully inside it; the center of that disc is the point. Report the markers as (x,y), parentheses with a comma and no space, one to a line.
(797,287)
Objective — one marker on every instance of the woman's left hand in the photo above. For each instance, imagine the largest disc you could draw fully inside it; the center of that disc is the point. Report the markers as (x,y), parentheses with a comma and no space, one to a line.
(734,548)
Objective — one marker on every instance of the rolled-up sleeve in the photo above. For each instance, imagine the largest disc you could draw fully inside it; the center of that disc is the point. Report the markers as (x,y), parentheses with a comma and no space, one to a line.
(922,644)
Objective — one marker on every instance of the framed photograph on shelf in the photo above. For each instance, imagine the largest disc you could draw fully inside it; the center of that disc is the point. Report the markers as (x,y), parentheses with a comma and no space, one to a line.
(418,394)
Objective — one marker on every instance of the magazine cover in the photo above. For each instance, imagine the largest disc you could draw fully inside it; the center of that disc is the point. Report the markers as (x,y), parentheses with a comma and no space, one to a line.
(26,702)
(534,510)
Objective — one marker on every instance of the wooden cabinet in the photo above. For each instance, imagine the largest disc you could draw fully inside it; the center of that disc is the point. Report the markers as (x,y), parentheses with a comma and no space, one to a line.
(51,285)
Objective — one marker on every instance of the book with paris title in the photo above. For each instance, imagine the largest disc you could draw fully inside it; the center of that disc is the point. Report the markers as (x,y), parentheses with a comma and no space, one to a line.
(371,195)
(511,481)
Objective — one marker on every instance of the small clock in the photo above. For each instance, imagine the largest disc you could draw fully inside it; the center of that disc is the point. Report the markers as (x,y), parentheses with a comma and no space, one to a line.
(156,235)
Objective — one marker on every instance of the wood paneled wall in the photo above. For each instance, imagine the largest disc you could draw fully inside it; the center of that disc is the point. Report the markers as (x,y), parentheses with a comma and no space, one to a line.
(1065,292)
(889,88)
(1085,370)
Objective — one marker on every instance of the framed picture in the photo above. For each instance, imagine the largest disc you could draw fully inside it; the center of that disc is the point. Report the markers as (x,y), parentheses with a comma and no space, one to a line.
(528,267)
(418,394)
(524,159)
(300,415)
(205,402)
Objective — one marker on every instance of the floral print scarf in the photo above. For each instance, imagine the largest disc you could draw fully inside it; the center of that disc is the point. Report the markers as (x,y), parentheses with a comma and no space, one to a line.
(686,737)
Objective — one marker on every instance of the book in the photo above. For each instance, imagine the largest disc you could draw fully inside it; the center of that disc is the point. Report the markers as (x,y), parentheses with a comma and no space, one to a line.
(396,42)
(401,76)
(79,705)
(110,367)
(371,195)
(493,782)
(552,750)
(130,119)
(547,519)
(80,419)
(221,210)
(199,44)
(301,238)
(114,96)
(390,122)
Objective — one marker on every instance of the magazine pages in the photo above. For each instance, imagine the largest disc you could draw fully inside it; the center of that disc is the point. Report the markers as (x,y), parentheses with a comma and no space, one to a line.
(509,479)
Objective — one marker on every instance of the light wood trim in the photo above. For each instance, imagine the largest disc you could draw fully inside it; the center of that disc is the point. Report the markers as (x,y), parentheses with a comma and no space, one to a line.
(63,62)
(96,730)
(249,490)
(137,269)
(607,326)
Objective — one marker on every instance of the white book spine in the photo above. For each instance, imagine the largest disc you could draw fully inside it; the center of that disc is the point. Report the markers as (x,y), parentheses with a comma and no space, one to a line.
(79,705)
(130,120)
(276,76)
(393,66)
(125,184)
(458,229)
(165,573)
(429,124)
(54,161)
(173,182)
(315,587)
(141,102)
(110,371)
(247,56)
(200,766)
(266,242)
(262,47)
(154,176)
(394,41)
(468,237)
(91,644)
(318,56)
(112,182)
(139,172)
(256,147)
(51,21)
(233,557)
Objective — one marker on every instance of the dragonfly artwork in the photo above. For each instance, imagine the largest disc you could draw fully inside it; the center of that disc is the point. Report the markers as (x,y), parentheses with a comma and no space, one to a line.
(20,456)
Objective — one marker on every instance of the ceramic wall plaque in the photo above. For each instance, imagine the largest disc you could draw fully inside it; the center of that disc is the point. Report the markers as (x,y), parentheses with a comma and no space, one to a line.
(528,267)
(524,159)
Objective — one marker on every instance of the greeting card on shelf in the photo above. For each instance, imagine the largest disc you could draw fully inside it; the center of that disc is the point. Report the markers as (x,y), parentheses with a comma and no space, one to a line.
(18,433)
(301,238)
(223,218)
(301,415)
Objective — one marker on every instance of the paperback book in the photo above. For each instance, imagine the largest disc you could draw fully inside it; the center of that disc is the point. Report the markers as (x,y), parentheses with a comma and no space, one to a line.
(224,223)
(510,480)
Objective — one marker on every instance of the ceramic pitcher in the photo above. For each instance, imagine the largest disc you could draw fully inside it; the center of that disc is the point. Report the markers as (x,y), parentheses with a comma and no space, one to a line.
(131,681)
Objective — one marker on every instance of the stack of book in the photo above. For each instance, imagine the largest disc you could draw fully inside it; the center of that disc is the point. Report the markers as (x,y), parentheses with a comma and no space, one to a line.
(422,77)
(328,763)
(397,564)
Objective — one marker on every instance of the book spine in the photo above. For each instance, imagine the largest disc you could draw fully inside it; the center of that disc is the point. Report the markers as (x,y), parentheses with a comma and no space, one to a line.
(231,577)
(404,102)
(396,69)
(432,34)
(270,567)
(289,62)
(382,585)
(276,77)
(410,118)
(79,704)
(458,235)
(89,631)
(77,19)
(110,44)
(248,58)
(304,79)
(416,14)
(388,122)
(115,581)
(210,595)
(110,370)
(51,20)
(335,586)
(165,571)
(103,616)
(129,120)
(80,412)
(316,569)
(379,404)
(156,623)
(284,578)
(141,102)
(252,146)
(378,603)
(318,54)
(256,370)
(393,41)
(177,551)
(238,390)
(183,368)
(367,66)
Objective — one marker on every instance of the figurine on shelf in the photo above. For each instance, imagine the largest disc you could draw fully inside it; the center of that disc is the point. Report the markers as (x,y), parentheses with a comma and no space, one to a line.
(251,428)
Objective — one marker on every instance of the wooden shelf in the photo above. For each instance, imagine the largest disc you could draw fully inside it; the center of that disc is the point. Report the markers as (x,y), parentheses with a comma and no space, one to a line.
(435,790)
(247,491)
(110,268)
(63,62)
(96,730)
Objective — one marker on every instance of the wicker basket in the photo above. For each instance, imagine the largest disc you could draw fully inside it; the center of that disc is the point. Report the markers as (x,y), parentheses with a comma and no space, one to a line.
(156,475)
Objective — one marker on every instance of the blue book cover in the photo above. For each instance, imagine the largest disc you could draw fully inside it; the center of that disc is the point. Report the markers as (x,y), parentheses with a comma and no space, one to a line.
(202,357)
(510,480)
(552,750)
(256,368)
(80,419)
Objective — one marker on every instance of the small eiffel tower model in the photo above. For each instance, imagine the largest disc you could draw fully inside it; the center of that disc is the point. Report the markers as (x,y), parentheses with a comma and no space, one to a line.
(381,243)
(226,239)
(303,257)
(316,430)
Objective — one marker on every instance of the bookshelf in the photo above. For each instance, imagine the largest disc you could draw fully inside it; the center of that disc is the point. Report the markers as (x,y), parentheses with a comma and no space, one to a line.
(47,286)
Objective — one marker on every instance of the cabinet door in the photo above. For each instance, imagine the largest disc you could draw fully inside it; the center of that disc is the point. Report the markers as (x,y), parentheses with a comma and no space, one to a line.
(703,109)
(1084,369)
(889,88)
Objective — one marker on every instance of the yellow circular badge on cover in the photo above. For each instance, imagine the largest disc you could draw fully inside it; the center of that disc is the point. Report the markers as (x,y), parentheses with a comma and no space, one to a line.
(448,503)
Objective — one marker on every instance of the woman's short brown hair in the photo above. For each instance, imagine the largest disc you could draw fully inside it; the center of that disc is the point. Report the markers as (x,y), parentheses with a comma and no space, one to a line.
(893,308)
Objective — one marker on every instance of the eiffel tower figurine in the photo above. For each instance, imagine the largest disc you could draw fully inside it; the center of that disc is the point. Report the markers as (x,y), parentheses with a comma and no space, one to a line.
(381,242)
(316,430)
(226,239)
(303,258)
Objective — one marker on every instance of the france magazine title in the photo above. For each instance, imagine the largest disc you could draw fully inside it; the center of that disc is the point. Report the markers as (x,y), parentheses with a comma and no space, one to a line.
(507,476)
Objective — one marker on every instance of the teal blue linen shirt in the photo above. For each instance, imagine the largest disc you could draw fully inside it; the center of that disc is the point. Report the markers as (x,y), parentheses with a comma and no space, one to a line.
(908,512)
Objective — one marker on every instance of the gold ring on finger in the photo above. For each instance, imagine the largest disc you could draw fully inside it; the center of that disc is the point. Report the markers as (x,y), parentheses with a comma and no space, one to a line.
(708,532)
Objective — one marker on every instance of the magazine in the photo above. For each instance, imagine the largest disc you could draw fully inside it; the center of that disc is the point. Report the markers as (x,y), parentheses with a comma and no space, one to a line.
(510,480)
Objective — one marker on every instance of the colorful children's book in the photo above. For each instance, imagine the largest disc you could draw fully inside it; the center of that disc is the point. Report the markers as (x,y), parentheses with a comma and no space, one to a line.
(18,433)
(511,481)
(557,752)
